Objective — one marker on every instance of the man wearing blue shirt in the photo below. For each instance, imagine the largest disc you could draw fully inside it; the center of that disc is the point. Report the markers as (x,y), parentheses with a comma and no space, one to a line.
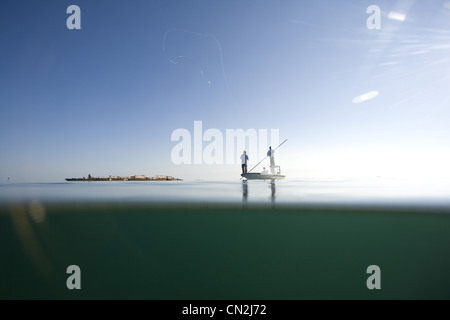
(244,159)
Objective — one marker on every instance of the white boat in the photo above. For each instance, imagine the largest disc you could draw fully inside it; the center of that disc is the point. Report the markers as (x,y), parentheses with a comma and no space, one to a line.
(274,174)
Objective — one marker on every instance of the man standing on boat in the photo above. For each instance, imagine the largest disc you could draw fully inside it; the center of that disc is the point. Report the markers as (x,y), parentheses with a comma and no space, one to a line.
(271,154)
(244,160)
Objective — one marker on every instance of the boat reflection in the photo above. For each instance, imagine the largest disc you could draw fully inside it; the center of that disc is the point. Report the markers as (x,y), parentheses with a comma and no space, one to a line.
(273,191)
(245,191)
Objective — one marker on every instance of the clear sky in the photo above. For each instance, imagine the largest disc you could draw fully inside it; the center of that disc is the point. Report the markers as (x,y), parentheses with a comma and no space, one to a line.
(105,99)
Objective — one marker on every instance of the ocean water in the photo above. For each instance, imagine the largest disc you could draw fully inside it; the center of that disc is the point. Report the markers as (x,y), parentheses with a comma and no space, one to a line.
(255,240)
(425,192)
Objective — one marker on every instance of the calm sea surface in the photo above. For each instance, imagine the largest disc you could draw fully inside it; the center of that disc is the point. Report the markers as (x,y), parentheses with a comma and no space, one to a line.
(431,192)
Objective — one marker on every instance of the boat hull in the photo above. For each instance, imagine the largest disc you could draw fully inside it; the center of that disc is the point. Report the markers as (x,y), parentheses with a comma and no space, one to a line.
(259,176)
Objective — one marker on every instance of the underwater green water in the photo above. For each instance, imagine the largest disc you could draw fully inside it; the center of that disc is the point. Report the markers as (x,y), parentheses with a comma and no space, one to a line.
(151,251)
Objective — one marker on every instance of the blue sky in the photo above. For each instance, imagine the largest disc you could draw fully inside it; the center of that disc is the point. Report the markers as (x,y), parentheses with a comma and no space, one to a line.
(105,99)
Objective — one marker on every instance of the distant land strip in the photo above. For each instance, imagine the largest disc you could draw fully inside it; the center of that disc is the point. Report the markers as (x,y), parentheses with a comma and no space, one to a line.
(129,178)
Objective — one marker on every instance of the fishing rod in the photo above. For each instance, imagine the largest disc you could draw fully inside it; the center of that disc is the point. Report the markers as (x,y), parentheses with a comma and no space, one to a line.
(266,157)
